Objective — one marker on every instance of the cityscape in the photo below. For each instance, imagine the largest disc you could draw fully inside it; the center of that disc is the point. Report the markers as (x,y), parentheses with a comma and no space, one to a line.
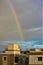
(21,32)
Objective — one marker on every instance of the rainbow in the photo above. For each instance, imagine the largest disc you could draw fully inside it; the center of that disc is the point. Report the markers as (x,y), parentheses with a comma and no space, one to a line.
(13,9)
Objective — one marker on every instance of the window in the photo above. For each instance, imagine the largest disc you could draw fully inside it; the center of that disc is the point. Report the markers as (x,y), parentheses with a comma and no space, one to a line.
(16,59)
(4,58)
(39,58)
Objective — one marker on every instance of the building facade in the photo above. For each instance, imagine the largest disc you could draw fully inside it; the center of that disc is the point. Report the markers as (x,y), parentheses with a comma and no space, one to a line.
(13,56)
(8,56)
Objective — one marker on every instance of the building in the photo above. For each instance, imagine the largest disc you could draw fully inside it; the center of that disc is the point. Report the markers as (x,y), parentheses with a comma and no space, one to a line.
(8,56)
(14,56)
(36,57)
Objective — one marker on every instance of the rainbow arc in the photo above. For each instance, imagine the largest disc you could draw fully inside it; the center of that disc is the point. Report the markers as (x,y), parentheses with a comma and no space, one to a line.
(20,30)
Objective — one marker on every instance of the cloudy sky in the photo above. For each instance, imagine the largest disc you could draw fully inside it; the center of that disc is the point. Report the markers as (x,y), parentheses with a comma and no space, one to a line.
(21,20)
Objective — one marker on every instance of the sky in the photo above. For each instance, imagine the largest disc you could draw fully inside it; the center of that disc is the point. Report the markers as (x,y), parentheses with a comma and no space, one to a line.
(21,20)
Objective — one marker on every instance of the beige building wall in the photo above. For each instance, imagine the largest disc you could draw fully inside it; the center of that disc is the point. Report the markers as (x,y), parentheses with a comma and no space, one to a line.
(10,47)
(4,62)
(13,49)
(12,52)
(33,59)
